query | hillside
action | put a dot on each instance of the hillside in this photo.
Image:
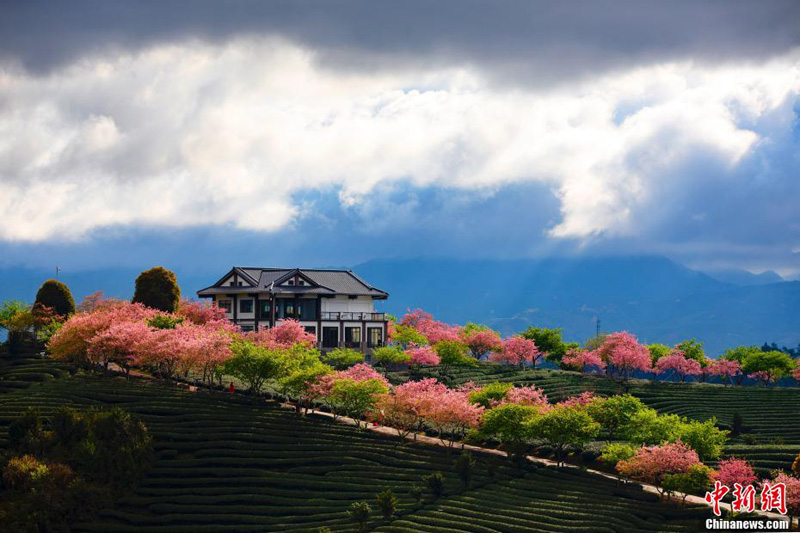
(225, 463)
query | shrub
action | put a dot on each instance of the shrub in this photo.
(417, 493)
(695, 480)
(387, 503)
(359, 513)
(56, 296)
(158, 288)
(703, 437)
(25, 434)
(796, 466)
(615, 452)
(435, 484)
(464, 466)
(490, 395)
(340, 358)
(737, 425)
(750, 439)
(165, 321)
(390, 355)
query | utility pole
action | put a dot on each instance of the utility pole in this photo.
(597, 321)
(57, 271)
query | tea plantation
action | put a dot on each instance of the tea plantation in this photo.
(771, 415)
(227, 464)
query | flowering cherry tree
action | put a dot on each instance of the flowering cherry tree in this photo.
(652, 463)
(118, 344)
(530, 396)
(796, 375)
(679, 366)
(481, 342)
(452, 415)
(725, 370)
(761, 377)
(433, 330)
(623, 354)
(792, 494)
(422, 355)
(205, 314)
(518, 351)
(284, 335)
(582, 360)
(581, 400)
(731, 471)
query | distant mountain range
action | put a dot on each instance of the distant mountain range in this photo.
(657, 299)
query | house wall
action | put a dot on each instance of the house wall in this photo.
(362, 304)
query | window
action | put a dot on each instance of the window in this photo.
(291, 282)
(245, 306)
(264, 309)
(301, 282)
(240, 283)
(311, 329)
(307, 309)
(374, 337)
(225, 305)
(247, 327)
(352, 337)
(330, 337)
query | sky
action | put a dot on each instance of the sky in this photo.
(329, 133)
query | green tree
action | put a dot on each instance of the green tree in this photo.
(406, 335)
(593, 343)
(18, 319)
(453, 353)
(693, 349)
(255, 365)
(165, 321)
(696, 479)
(614, 452)
(775, 364)
(359, 513)
(356, 398)
(740, 353)
(650, 428)
(341, 358)
(464, 466)
(549, 341)
(390, 355)
(56, 296)
(657, 351)
(563, 427)
(158, 288)
(387, 503)
(615, 412)
(435, 484)
(490, 394)
(508, 424)
(703, 437)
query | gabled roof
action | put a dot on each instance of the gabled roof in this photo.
(317, 281)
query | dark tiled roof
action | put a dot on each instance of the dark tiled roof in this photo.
(323, 281)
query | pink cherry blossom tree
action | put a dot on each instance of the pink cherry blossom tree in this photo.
(119, 344)
(652, 463)
(796, 375)
(581, 400)
(582, 360)
(792, 495)
(623, 354)
(518, 351)
(423, 355)
(678, 365)
(482, 342)
(726, 370)
(284, 335)
(732, 470)
(452, 415)
(530, 396)
(433, 330)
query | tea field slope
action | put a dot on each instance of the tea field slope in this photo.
(226, 464)
(770, 415)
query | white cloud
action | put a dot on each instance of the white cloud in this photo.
(193, 134)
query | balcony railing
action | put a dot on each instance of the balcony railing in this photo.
(347, 315)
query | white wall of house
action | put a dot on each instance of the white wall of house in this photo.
(339, 304)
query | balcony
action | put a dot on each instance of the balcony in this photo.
(350, 316)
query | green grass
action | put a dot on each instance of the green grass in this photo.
(224, 463)
(768, 413)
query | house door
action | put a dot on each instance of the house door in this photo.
(330, 337)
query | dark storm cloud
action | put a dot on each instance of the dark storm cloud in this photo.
(538, 42)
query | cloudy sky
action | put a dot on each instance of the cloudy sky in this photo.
(331, 132)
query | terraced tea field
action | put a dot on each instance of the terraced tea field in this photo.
(227, 464)
(772, 415)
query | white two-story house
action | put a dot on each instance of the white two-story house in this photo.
(335, 305)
